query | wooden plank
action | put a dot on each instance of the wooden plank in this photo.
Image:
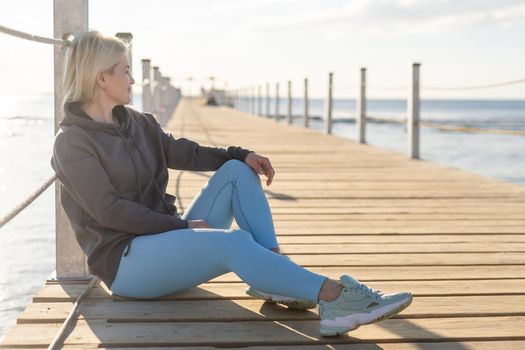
(269, 332)
(286, 240)
(410, 228)
(235, 290)
(253, 309)
(338, 248)
(460, 345)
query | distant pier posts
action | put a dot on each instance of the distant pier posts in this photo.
(259, 100)
(328, 105)
(305, 103)
(127, 38)
(413, 114)
(69, 17)
(252, 100)
(290, 102)
(146, 85)
(361, 108)
(276, 101)
(267, 100)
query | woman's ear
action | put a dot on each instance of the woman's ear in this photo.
(101, 80)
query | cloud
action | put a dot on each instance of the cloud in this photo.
(398, 16)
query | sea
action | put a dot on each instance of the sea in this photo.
(27, 243)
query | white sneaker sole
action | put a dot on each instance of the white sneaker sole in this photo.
(348, 323)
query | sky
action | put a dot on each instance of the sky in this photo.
(245, 43)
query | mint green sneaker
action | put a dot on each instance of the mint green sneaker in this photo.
(293, 303)
(357, 305)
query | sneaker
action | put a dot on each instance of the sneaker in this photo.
(293, 303)
(357, 305)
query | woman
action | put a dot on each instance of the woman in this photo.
(112, 163)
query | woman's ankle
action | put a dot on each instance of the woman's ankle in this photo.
(330, 290)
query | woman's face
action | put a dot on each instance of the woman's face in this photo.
(118, 85)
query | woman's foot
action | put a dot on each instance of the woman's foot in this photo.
(357, 305)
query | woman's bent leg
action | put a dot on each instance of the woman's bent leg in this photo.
(235, 190)
(173, 261)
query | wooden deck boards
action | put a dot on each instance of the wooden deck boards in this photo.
(454, 239)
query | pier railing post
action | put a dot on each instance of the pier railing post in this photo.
(289, 102)
(252, 100)
(276, 101)
(305, 104)
(146, 85)
(156, 92)
(128, 38)
(328, 105)
(267, 100)
(413, 114)
(259, 100)
(361, 108)
(70, 17)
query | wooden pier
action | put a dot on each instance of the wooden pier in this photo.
(456, 240)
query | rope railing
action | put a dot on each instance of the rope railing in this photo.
(474, 87)
(4, 220)
(36, 38)
(58, 341)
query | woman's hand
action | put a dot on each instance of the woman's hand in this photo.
(261, 165)
(198, 224)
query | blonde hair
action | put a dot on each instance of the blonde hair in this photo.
(87, 54)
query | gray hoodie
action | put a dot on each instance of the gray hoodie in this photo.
(113, 180)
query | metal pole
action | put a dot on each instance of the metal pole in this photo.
(70, 17)
(361, 108)
(328, 105)
(413, 114)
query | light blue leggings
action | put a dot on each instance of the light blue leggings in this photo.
(169, 262)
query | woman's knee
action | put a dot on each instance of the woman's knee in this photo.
(243, 235)
(238, 167)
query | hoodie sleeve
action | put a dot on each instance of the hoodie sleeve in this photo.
(185, 154)
(84, 178)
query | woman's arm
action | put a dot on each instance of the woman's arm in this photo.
(87, 182)
(185, 154)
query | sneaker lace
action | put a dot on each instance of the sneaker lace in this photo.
(374, 293)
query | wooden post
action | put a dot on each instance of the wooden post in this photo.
(289, 102)
(128, 38)
(276, 101)
(146, 85)
(413, 114)
(267, 100)
(361, 108)
(306, 102)
(252, 99)
(70, 17)
(328, 105)
(156, 92)
(259, 100)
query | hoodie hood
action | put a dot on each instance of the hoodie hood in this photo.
(75, 115)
